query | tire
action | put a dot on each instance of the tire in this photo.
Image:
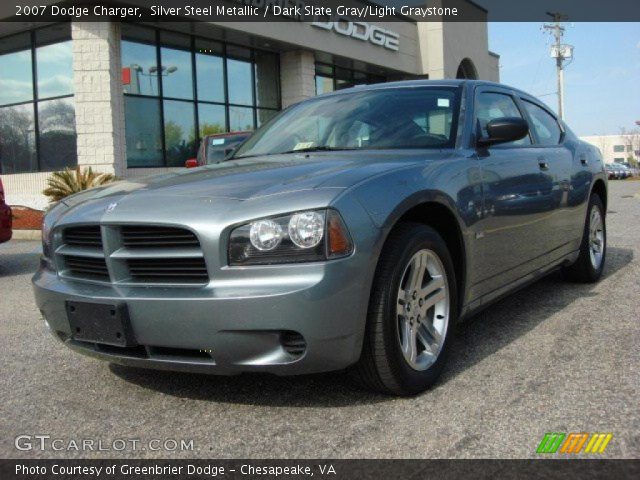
(386, 364)
(586, 269)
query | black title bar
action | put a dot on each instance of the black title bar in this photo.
(319, 10)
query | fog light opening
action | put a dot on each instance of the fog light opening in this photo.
(293, 343)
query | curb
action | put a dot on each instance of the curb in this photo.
(26, 235)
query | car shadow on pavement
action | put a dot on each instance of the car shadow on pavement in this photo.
(18, 263)
(479, 337)
(517, 314)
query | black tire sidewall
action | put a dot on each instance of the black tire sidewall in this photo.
(594, 273)
(416, 238)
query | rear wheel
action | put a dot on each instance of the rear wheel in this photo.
(411, 314)
(593, 249)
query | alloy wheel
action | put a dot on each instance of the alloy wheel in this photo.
(596, 237)
(422, 309)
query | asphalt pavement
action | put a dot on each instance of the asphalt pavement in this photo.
(554, 357)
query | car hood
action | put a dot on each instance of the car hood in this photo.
(263, 176)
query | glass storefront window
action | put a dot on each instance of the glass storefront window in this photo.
(143, 132)
(139, 69)
(211, 119)
(207, 87)
(240, 88)
(210, 77)
(176, 73)
(330, 78)
(179, 132)
(17, 139)
(37, 128)
(16, 81)
(54, 65)
(240, 119)
(323, 85)
(57, 133)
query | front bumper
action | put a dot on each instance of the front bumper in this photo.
(228, 327)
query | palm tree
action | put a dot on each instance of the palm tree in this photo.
(73, 180)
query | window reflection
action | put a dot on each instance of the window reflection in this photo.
(211, 119)
(139, 68)
(179, 132)
(240, 87)
(323, 85)
(210, 70)
(53, 145)
(54, 65)
(142, 132)
(57, 134)
(235, 88)
(17, 139)
(176, 73)
(240, 119)
(16, 81)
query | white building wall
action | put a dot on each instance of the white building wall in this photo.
(607, 144)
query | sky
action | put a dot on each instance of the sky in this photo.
(602, 84)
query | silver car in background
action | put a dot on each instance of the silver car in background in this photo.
(354, 230)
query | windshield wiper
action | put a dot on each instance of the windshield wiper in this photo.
(318, 148)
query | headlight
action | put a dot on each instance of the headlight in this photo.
(308, 236)
(50, 218)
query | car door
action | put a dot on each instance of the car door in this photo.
(559, 154)
(518, 198)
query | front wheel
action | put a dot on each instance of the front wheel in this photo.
(593, 249)
(412, 313)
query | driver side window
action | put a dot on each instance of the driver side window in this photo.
(490, 105)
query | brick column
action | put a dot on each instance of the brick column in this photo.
(99, 102)
(297, 76)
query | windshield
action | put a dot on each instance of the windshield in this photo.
(407, 117)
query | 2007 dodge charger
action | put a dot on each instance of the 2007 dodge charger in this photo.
(351, 231)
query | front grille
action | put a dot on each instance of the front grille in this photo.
(132, 254)
(88, 267)
(84, 236)
(164, 237)
(168, 270)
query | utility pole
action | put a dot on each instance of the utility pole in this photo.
(560, 52)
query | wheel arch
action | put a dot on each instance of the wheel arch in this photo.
(600, 188)
(441, 217)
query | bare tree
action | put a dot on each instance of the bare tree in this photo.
(631, 139)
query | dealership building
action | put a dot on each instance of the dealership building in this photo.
(135, 99)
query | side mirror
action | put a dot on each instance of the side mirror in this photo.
(191, 163)
(503, 130)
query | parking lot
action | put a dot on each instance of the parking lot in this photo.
(554, 357)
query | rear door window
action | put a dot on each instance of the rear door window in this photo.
(545, 125)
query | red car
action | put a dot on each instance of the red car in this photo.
(215, 148)
(5, 218)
